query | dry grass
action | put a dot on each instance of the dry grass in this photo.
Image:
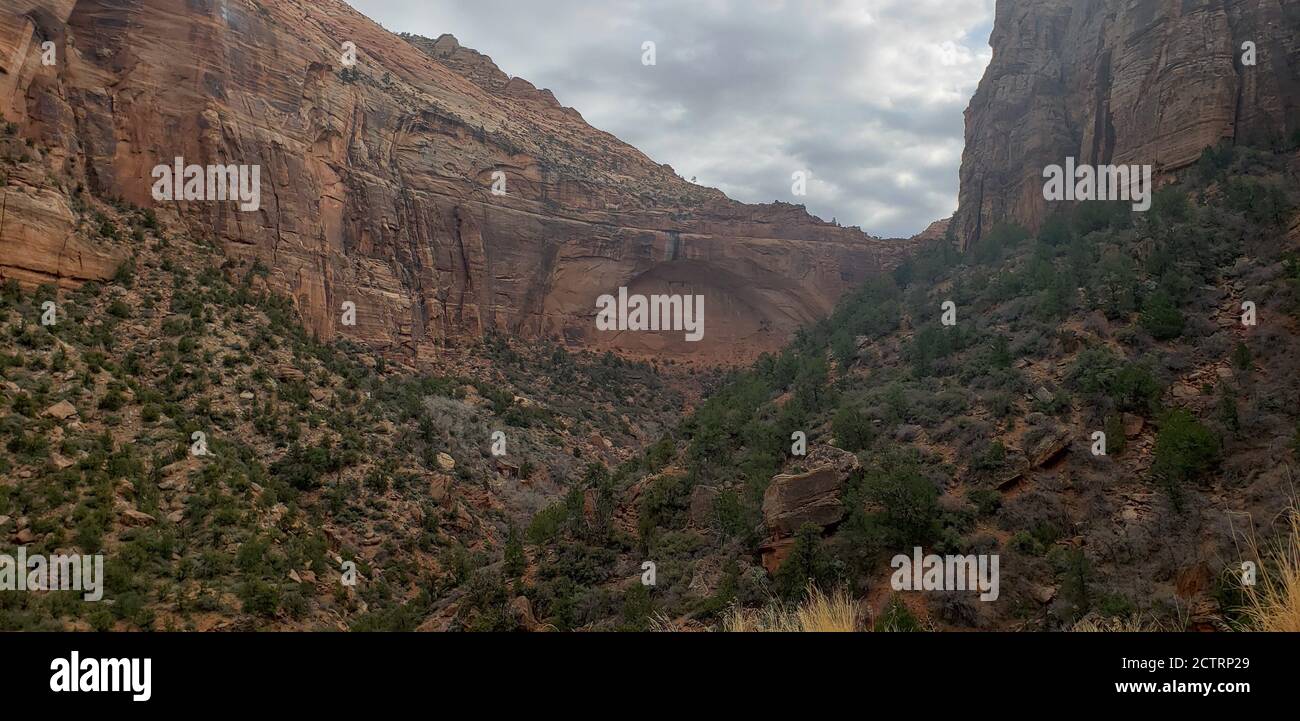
(1133, 624)
(1273, 603)
(819, 613)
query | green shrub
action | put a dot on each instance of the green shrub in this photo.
(897, 618)
(515, 561)
(807, 563)
(1115, 438)
(997, 242)
(1185, 450)
(993, 457)
(547, 523)
(112, 401)
(852, 429)
(1161, 318)
(259, 597)
(1242, 357)
(986, 500)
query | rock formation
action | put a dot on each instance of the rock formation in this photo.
(377, 180)
(1116, 81)
(815, 497)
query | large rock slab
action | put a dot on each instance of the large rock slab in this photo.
(814, 497)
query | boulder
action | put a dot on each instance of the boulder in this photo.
(289, 373)
(813, 497)
(439, 487)
(1048, 450)
(61, 411)
(132, 517)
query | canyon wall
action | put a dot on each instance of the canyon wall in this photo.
(376, 181)
(1120, 81)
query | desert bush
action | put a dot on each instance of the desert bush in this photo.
(1161, 317)
(1185, 450)
(852, 429)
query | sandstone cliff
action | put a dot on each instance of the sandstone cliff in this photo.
(1120, 81)
(376, 180)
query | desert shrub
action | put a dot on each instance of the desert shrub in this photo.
(1161, 317)
(896, 617)
(929, 263)
(302, 468)
(150, 413)
(998, 242)
(663, 505)
(1075, 572)
(259, 597)
(1185, 450)
(1242, 358)
(514, 559)
(986, 501)
(112, 401)
(1214, 160)
(1135, 387)
(1263, 203)
(1170, 204)
(1131, 386)
(908, 501)
(991, 458)
(807, 565)
(852, 429)
(1115, 439)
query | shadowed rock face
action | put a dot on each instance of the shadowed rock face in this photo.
(376, 184)
(1123, 82)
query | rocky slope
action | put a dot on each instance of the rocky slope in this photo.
(319, 453)
(1115, 81)
(376, 181)
(982, 438)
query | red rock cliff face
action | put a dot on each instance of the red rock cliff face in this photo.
(376, 182)
(1120, 81)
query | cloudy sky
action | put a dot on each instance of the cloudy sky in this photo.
(865, 96)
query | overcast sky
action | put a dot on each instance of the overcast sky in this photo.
(866, 96)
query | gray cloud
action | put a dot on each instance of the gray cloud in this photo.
(866, 96)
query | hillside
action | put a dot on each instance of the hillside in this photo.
(179, 390)
(317, 453)
(978, 437)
